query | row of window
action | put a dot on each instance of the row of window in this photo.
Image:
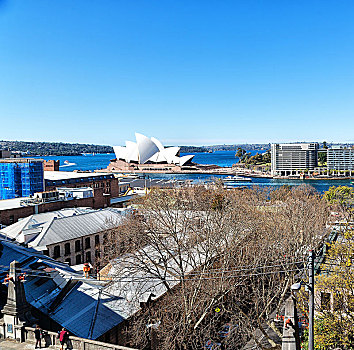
(79, 180)
(78, 259)
(78, 248)
(97, 185)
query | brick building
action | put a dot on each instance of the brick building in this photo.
(12, 210)
(106, 192)
(51, 165)
(107, 182)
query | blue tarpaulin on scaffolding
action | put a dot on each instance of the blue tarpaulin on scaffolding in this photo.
(20, 179)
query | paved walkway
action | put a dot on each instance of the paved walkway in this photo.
(12, 345)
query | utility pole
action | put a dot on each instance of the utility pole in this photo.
(311, 287)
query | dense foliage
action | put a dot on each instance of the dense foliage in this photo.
(53, 148)
(257, 159)
(322, 158)
(334, 322)
(247, 147)
(74, 149)
(193, 149)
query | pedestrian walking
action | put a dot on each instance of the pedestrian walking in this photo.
(38, 335)
(63, 337)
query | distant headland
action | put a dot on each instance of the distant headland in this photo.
(32, 148)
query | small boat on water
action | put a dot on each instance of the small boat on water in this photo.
(66, 162)
(236, 179)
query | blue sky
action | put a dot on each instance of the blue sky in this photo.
(187, 72)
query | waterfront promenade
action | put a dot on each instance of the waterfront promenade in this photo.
(229, 171)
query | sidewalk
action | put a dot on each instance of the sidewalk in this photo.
(12, 345)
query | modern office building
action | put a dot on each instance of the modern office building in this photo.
(340, 158)
(293, 158)
(20, 177)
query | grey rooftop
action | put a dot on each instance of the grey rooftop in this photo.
(40, 230)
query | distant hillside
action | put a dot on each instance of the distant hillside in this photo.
(193, 149)
(53, 148)
(74, 149)
(213, 148)
(246, 147)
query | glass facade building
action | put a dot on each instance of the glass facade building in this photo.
(20, 177)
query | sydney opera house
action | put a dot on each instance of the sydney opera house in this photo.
(148, 154)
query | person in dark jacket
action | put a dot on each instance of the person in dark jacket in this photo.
(38, 336)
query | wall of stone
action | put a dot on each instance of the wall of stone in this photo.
(65, 255)
(26, 334)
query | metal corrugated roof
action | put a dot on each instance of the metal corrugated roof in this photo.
(88, 312)
(68, 228)
(38, 222)
(83, 308)
(40, 230)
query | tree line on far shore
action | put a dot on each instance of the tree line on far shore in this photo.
(31, 148)
(53, 148)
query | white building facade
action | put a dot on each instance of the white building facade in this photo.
(340, 158)
(293, 158)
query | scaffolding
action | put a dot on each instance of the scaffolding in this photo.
(20, 177)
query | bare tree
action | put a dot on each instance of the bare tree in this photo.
(212, 260)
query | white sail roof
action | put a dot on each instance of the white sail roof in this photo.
(146, 148)
(149, 150)
(132, 153)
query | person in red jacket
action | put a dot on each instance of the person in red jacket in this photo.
(63, 337)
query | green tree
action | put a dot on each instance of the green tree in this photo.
(342, 195)
(341, 198)
(240, 153)
(322, 157)
(267, 158)
(334, 325)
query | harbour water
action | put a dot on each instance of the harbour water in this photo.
(221, 158)
(101, 161)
